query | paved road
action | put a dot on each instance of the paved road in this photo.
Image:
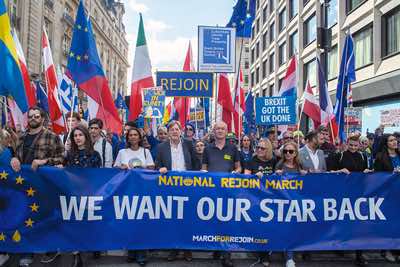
(202, 259)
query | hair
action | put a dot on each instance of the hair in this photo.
(131, 124)
(173, 123)
(354, 137)
(73, 115)
(383, 144)
(96, 121)
(42, 112)
(322, 128)
(268, 147)
(296, 159)
(88, 140)
(128, 144)
(251, 143)
(311, 134)
(4, 135)
(162, 128)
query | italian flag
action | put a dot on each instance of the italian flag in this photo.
(141, 73)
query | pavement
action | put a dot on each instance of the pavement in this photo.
(204, 259)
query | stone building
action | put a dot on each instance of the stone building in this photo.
(28, 17)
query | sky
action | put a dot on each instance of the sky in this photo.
(170, 25)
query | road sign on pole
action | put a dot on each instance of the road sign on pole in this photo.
(216, 51)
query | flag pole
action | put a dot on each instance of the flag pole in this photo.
(216, 97)
(341, 98)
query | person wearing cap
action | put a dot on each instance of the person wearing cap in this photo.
(231, 138)
(299, 138)
(311, 158)
(190, 132)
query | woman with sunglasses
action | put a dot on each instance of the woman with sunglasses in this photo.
(263, 162)
(246, 151)
(289, 163)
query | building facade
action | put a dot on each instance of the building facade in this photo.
(58, 16)
(286, 28)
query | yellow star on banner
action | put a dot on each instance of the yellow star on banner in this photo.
(30, 192)
(71, 54)
(34, 207)
(29, 223)
(3, 175)
(79, 27)
(2, 237)
(78, 58)
(86, 29)
(19, 180)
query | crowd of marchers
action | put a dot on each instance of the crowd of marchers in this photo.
(173, 148)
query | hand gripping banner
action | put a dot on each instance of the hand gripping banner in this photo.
(105, 209)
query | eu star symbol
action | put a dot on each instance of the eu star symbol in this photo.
(34, 207)
(78, 58)
(3, 175)
(30, 192)
(79, 27)
(29, 223)
(242, 22)
(86, 29)
(86, 57)
(19, 180)
(71, 54)
(2, 237)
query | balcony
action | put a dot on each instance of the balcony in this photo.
(68, 19)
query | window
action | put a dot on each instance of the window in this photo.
(391, 32)
(282, 54)
(353, 4)
(332, 13)
(363, 47)
(257, 4)
(252, 79)
(252, 55)
(246, 79)
(264, 41)
(280, 84)
(246, 64)
(257, 75)
(272, 33)
(257, 50)
(264, 14)
(271, 90)
(264, 69)
(265, 92)
(310, 30)
(271, 6)
(310, 73)
(282, 19)
(257, 26)
(332, 64)
(49, 29)
(293, 8)
(253, 32)
(271, 63)
(293, 43)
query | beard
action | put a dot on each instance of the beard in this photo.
(34, 124)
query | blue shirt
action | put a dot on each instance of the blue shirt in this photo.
(395, 161)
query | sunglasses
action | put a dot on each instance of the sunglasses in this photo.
(290, 151)
(288, 137)
(261, 148)
(36, 116)
(189, 129)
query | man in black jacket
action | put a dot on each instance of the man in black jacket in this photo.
(176, 154)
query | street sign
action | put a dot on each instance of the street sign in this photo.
(216, 51)
(276, 110)
(187, 84)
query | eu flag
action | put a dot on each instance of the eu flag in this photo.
(11, 82)
(242, 17)
(84, 67)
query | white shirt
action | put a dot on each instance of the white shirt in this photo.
(140, 158)
(177, 158)
(98, 146)
(314, 157)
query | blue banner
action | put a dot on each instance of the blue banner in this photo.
(276, 110)
(104, 209)
(189, 84)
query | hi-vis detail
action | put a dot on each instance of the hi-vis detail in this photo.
(189, 84)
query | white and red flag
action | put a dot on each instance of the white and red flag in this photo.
(239, 105)
(311, 105)
(56, 115)
(225, 99)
